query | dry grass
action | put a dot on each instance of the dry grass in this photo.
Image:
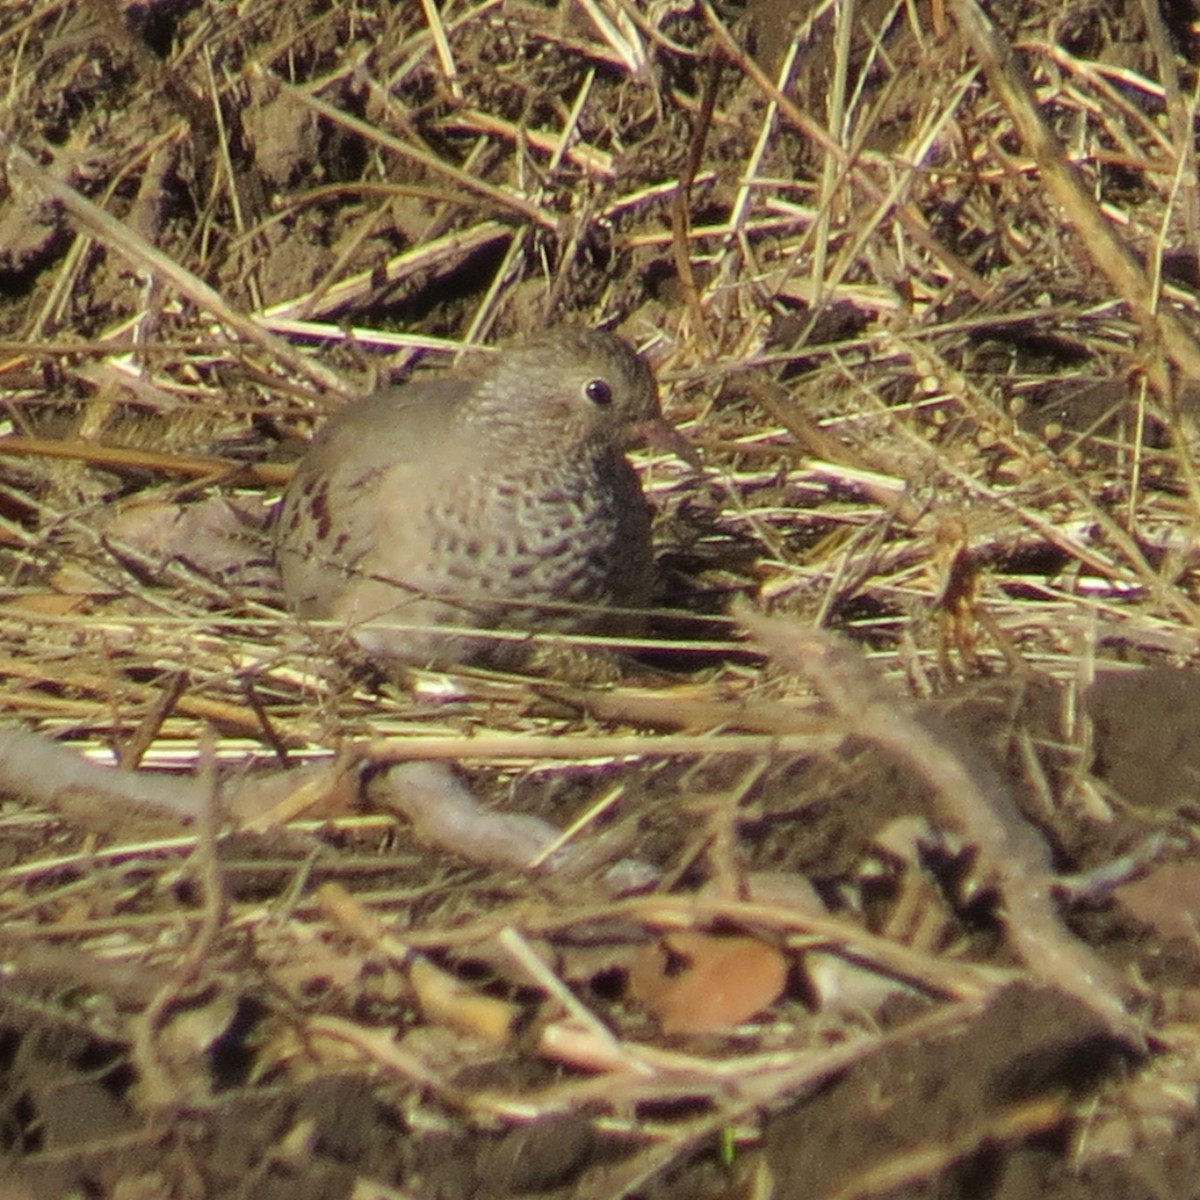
(912, 265)
(910, 283)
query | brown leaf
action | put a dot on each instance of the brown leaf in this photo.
(1168, 898)
(695, 982)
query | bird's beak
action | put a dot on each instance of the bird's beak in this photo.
(661, 434)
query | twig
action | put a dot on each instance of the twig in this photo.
(970, 794)
(43, 772)
(136, 458)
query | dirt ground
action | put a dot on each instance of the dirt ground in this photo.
(891, 893)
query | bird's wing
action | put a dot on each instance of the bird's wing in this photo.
(403, 424)
(346, 506)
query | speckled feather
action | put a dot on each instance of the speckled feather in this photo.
(483, 501)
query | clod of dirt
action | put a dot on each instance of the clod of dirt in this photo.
(942, 1097)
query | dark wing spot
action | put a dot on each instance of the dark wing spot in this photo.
(318, 508)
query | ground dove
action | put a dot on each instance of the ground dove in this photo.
(498, 500)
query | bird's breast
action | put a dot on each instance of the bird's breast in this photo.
(541, 532)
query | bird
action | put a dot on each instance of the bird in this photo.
(500, 499)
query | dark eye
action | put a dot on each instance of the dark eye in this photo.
(598, 392)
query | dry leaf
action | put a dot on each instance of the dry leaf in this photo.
(217, 536)
(1168, 898)
(695, 982)
(445, 1000)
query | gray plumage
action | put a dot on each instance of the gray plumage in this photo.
(501, 499)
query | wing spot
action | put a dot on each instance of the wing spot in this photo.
(318, 508)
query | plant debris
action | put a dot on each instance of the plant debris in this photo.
(687, 915)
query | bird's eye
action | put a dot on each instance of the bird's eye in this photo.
(598, 392)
